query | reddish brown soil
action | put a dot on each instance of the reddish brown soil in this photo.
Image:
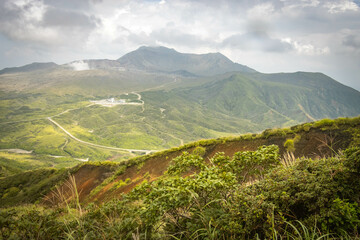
(314, 143)
(155, 167)
(87, 178)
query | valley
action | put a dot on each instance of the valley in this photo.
(160, 99)
(162, 138)
(179, 120)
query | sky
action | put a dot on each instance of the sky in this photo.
(269, 36)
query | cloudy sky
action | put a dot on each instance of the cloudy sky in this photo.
(269, 36)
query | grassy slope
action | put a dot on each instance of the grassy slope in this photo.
(316, 140)
(274, 100)
(237, 104)
(174, 112)
(13, 163)
(338, 134)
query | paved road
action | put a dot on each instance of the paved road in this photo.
(96, 145)
(146, 151)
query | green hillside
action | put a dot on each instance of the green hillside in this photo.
(50, 109)
(270, 99)
(205, 190)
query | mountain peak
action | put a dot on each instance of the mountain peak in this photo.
(156, 48)
(168, 60)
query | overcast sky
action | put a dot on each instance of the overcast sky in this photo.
(269, 36)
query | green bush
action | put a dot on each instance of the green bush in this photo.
(289, 145)
(200, 151)
(352, 159)
(247, 196)
(324, 123)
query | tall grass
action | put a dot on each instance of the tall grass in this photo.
(302, 232)
(288, 159)
(66, 195)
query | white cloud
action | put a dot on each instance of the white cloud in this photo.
(261, 10)
(341, 6)
(32, 10)
(34, 23)
(301, 3)
(79, 65)
(307, 49)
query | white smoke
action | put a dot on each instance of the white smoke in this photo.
(79, 65)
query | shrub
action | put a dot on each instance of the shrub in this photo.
(247, 196)
(324, 123)
(289, 145)
(352, 159)
(307, 126)
(200, 151)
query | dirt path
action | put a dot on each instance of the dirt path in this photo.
(161, 86)
(306, 114)
(181, 141)
(16, 150)
(139, 99)
(169, 134)
(71, 109)
(66, 142)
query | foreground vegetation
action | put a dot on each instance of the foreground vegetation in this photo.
(251, 195)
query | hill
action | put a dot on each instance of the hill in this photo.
(314, 140)
(161, 59)
(30, 68)
(167, 103)
(216, 182)
(270, 99)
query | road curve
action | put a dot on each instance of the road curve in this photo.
(96, 145)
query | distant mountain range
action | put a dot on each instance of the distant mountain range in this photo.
(151, 59)
(187, 97)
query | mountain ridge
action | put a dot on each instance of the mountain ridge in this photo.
(168, 60)
(35, 66)
(151, 59)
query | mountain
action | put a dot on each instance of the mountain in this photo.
(92, 134)
(161, 59)
(268, 99)
(170, 101)
(30, 67)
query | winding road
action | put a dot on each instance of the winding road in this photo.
(146, 151)
(97, 145)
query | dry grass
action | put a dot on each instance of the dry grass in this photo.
(65, 195)
(288, 159)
